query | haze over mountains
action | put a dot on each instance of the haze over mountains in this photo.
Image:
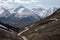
(22, 16)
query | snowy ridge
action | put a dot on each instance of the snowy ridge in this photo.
(4, 12)
(48, 12)
(22, 15)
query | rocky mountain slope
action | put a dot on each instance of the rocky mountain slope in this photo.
(45, 29)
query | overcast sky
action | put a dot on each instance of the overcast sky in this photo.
(30, 3)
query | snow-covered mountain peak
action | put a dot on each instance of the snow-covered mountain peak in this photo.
(48, 12)
(18, 8)
(4, 12)
(53, 9)
(1, 11)
(22, 12)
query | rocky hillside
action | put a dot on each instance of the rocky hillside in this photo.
(45, 29)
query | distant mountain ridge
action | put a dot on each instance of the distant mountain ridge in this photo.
(19, 18)
(22, 16)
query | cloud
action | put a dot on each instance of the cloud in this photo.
(35, 0)
(13, 3)
(6, 4)
(19, 1)
(22, 1)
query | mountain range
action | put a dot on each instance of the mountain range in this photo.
(22, 16)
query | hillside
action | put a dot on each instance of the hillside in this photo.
(45, 29)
